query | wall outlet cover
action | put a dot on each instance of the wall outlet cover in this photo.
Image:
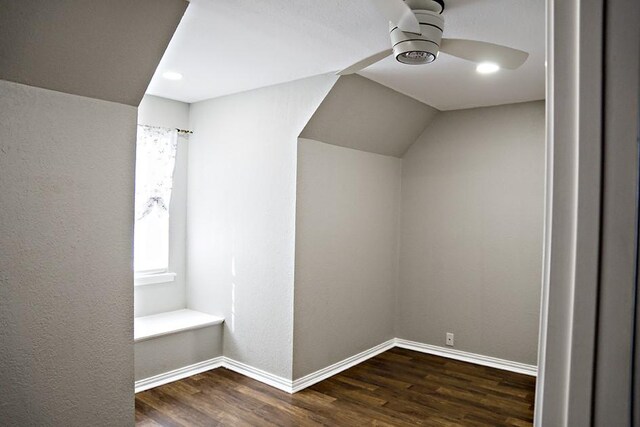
(449, 341)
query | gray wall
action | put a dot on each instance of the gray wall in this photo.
(169, 352)
(66, 197)
(616, 400)
(66, 230)
(161, 297)
(347, 213)
(472, 227)
(241, 216)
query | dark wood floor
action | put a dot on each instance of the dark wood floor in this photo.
(396, 388)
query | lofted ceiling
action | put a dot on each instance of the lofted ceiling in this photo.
(364, 115)
(228, 46)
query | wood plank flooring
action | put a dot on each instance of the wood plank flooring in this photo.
(396, 388)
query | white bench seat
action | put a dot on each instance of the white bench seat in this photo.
(171, 322)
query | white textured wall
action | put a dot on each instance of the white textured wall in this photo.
(157, 298)
(66, 232)
(348, 204)
(472, 227)
(241, 216)
(163, 112)
(163, 354)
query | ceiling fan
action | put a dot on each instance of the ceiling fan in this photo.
(416, 27)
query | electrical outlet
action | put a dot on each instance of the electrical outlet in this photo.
(449, 339)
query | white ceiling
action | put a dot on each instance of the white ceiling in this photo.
(228, 46)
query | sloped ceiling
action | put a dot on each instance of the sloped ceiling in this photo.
(229, 46)
(107, 50)
(364, 115)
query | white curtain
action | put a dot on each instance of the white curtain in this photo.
(155, 163)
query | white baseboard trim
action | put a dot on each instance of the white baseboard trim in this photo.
(258, 374)
(324, 373)
(207, 365)
(329, 371)
(178, 374)
(478, 359)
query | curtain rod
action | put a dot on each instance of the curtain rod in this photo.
(187, 131)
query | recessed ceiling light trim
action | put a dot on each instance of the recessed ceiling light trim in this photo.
(172, 75)
(487, 68)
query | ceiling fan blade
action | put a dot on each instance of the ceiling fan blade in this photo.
(360, 65)
(476, 51)
(397, 12)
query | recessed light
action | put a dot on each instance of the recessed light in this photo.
(172, 75)
(487, 68)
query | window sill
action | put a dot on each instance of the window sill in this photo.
(153, 279)
(172, 322)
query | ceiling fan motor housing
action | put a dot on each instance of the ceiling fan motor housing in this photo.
(410, 48)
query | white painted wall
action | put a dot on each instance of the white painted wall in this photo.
(241, 216)
(347, 224)
(472, 227)
(571, 276)
(163, 112)
(160, 355)
(66, 230)
(158, 298)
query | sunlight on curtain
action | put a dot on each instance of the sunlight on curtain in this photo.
(155, 162)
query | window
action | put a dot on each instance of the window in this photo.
(155, 164)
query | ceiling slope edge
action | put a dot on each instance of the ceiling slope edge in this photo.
(102, 50)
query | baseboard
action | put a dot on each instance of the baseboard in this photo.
(464, 356)
(258, 374)
(324, 373)
(207, 365)
(178, 374)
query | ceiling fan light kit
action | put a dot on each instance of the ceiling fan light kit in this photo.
(417, 49)
(487, 68)
(416, 27)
